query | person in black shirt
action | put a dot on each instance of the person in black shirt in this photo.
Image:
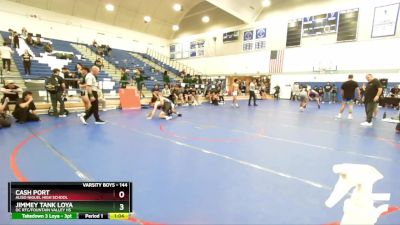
(16, 40)
(25, 109)
(334, 93)
(277, 91)
(372, 92)
(327, 93)
(347, 92)
(56, 86)
(26, 58)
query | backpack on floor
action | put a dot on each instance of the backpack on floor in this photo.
(5, 120)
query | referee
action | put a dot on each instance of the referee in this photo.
(92, 89)
(252, 92)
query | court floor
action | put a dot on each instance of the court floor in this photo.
(216, 165)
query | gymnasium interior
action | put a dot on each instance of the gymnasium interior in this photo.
(212, 111)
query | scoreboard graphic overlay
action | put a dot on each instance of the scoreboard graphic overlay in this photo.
(70, 200)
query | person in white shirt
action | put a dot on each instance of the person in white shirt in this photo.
(166, 92)
(92, 89)
(252, 89)
(235, 92)
(5, 54)
(295, 91)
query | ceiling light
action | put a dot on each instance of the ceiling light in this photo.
(110, 7)
(175, 27)
(147, 19)
(177, 7)
(266, 3)
(205, 19)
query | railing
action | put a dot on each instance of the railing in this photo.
(173, 63)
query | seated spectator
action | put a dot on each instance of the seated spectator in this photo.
(5, 120)
(107, 50)
(29, 40)
(99, 63)
(25, 110)
(48, 47)
(95, 43)
(394, 92)
(183, 73)
(38, 41)
(156, 90)
(10, 92)
(177, 95)
(166, 92)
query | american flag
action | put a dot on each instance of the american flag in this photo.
(276, 61)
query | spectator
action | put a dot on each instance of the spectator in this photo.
(156, 90)
(67, 76)
(334, 93)
(183, 73)
(29, 40)
(5, 54)
(362, 93)
(78, 70)
(277, 91)
(56, 86)
(25, 110)
(26, 58)
(295, 91)
(177, 95)
(166, 77)
(48, 47)
(221, 92)
(107, 50)
(16, 40)
(320, 91)
(5, 120)
(166, 92)
(124, 78)
(24, 32)
(73, 82)
(10, 91)
(38, 41)
(327, 93)
(94, 43)
(99, 63)
(242, 87)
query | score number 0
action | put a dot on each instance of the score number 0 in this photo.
(121, 195)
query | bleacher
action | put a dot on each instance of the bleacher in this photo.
(37, 69)
(163, 65)
(40, 70)
(123, 59)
